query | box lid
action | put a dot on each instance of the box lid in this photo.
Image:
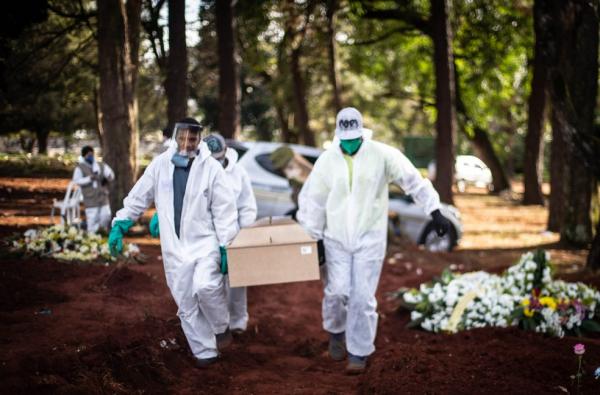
(279, 232)
(269, 221)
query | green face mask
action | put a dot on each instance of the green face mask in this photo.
(350, 147)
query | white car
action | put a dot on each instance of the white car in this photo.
(273, 193)
(468, 170)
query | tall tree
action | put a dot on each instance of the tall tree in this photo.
(176, 86)
(571, 32)
(229, 81)
(45, 78)
(534, 140)
(480, 140)
(558, 175)
(296, 30)
(412, 18)
(445, 99)
(331, 9)
(118, 43)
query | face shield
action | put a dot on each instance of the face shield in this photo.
(186, 137)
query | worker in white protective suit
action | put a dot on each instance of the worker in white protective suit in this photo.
(344, 203)
(198, 218)
(246, 206)
(94, 177)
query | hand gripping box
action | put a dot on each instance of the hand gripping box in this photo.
(272, 251)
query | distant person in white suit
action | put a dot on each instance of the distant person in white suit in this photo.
(93, 178)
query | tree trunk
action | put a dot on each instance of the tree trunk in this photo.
(481, 142)
(98, 117)
(283, 123)
(333, 79)
(41, 135)
(484, 149)
(229, 84)
(576, 229)
(558, 175)
(176, 86)
(534, 141)
(571, 49)
(445, 99)
(133, 9)
(300, 107)
(593, 259)
(117, 91)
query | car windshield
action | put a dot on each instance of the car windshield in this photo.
(264, 160)
(241, 150)
(312, 159)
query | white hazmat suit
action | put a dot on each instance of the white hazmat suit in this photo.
(345, 203)
(246, 206)
(191, 261)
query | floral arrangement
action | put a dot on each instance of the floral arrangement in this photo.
(69, 244)
(524, 295)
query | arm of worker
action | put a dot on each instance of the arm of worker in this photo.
(109, 174)
(246, 203)
(401, 171)
(312, 202)
(80, 179)
(223, 208)
(140, 197)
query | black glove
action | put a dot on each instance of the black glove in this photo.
(440, 223)
(321, 252)
(104, 181)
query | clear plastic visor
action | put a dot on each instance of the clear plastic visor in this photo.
(187, 137)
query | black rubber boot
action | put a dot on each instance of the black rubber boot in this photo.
(337, 346)
(205, 362)
(356, 364)
(224, 339)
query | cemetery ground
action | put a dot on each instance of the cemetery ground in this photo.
(75, 328)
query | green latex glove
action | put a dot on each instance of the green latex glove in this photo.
(154, 229)
(223, 250)
(115, 237)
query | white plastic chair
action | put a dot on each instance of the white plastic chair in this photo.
(70, 211)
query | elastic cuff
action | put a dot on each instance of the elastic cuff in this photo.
(207, 354)
(361, 358)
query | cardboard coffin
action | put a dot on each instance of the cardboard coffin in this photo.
(272, 251)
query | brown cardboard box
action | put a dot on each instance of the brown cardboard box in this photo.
(272, 251)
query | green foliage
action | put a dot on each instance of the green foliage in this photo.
(27, 165)
(47, 79)
(493, 43)
(384, 65)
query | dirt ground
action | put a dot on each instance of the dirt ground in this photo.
(69, 328)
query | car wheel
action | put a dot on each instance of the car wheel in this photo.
(461, 185)
(434, 243)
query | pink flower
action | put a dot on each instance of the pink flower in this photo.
(579, 349)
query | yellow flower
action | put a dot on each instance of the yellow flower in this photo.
(549, 302)
(563, 301)
(528, 312)
(525, 302)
